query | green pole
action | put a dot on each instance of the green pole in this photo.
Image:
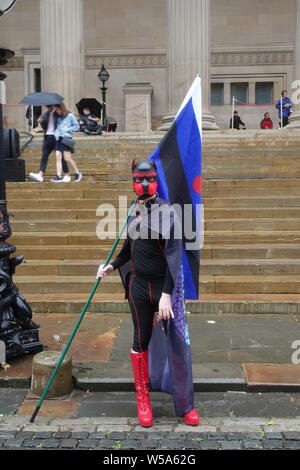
(80, 318)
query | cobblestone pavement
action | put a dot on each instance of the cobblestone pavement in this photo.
(165, 434)
(250, 422)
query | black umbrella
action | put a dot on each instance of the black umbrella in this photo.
(42, 98)
(91, 103)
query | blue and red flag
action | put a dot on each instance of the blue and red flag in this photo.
(178, 161)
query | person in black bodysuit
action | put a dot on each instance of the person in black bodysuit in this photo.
(149, 285)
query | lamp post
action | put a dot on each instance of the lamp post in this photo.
(103, 75)
(17, 330)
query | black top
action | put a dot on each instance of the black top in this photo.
(236, 122)
(148, 260)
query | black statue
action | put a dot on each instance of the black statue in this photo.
(17, 330)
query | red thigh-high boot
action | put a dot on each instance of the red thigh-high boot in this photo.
(191, 418)
(141, 377)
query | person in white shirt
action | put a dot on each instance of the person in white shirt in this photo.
(49, 123)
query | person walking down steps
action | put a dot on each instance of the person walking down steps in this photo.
(48, 122)
(64, 146)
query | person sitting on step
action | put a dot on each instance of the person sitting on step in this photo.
(89, 123)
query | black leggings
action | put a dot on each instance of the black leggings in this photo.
(143, 300)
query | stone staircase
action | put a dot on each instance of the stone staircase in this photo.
(250, 261)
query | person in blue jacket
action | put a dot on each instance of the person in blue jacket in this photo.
(66, 125)
(286, 108)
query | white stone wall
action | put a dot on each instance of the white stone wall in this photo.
(249, 40)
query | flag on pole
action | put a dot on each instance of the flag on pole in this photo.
(178, 161)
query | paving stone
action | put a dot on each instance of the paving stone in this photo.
(176, 435)
(264, 404)
(291, 445)
(291, 435)
(108, 427)
(115, 435)
(68, 443)
(231, 445)
(12, 443)
(199, 428)
(7, 434)
(235, 436)
(170, 444)
(41, 428)
(190, 444)
(128, 444)
(272, 444)
(147, 444)
(97, 435)
(87, 444)
(80, 434)
(197, 435)
(113, 420)
(24, 435)
(106, 444)
(252, 444)
(137, 435)
(254, 436)
(156, 435)
(51, 443)
(209, 445)
(62, 435)
(30, 443)
(10, 400)
(273, 435)
(218, 436)
(43, 435)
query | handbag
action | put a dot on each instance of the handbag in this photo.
(68, 142)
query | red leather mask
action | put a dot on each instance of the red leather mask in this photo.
(145, 184)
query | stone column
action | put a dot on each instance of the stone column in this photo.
(294, 118)
(188, 54)
(62, 52)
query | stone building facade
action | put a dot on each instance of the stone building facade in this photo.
(154, 49)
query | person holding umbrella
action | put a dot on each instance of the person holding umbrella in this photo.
(64, 146)
(48, 122)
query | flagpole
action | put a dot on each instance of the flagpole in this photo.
(34, 414)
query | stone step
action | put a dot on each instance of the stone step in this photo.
(210, 238)
(28, 215)
(258, 224)
(126, 185)
(250, 192)
(208, 267)
(229, 225)
(216, 252)
(29, 185)
(58, 191)
(251, 202)
(207, 303)
(256, 284)
(209, 203)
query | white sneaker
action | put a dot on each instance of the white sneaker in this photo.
(36, 177)
(66, 179)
